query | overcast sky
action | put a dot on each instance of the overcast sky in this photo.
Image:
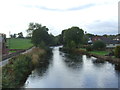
(93, 16)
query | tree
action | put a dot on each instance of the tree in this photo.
(117, 51)
(73, 34)
(30, 29)
(72, 45)
(14, 36)
(99, 45)
(40, 34)
(20, 35)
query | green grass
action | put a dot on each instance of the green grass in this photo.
(12, 51)
(17, 43)
(99, 52)
(83, 49)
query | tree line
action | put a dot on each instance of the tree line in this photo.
(72, 37)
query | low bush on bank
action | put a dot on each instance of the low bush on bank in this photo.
(89, 48)
(36, 54)
(117, 51)
(99, 45)
(15, 72)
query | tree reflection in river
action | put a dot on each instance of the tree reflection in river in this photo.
(73, 61)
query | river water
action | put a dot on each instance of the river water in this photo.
(65, 70)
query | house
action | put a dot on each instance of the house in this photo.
(109, 41)
(3, 47)
(96, 38)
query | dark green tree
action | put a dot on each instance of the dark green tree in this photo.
(117, 51)
(99, 45)
(20, 35)
(40, 34)
(30, 29)
(74, 34)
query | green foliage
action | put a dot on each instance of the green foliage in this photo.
(40, 34)
(20, 35)
(42, 44)
(90, 35)
(14, 72)
(117, 51)
(99, 45)
(89, 48)
(72, 45)
(72, 34)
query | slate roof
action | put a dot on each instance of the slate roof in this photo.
(109, 40)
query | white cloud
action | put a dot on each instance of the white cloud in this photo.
(56, 14)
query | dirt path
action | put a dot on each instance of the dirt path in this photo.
(2, 63)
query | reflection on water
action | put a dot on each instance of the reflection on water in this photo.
(66, 70)
(73, 61)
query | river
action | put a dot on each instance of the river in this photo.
(65, 70)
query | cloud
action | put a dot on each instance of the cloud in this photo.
(81, 7)
(95, 16)
(103, 27)
(57, 9)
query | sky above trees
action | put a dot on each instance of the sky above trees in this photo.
(93, 16)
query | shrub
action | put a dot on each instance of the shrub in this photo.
(89, 48)
(99, 45)
(117, 51)
(14, 72)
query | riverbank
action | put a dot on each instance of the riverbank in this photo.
(102, 57)
(15, 73)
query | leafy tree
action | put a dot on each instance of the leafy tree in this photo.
(14, 36)
(117, 51)
(30, 29)
(99, 45)
(73, 34)
(40, 34)
(72, 45)
(89, 35)
(20, 35)
(11, 36)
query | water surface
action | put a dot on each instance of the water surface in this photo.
(65, 70)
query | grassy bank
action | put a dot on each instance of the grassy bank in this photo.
(17, 43)
(14, 74)
(98, 54)
(102, 53)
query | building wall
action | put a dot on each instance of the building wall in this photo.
(0, 48)
(4, 50)
(112, 45)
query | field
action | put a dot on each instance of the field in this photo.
(17, 43)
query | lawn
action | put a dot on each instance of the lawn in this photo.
(99, 52)
(17, 43)
(83, 49)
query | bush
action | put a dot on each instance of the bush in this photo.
(15, 71)
(89, 48)
(99, 45)
(117, 51)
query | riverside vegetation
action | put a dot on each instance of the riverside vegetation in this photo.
(15, 72)
(19, 67)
